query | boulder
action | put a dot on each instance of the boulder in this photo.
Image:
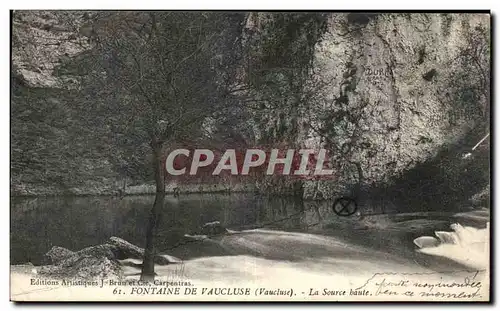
(123, 250)
(213, 228)
(105, 250)
(94, 262)
(89, 263)
(56, 254)
(83, 267)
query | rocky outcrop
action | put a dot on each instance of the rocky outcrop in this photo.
(99, 261)
(384, 92)
(390, 89)
(43, 41)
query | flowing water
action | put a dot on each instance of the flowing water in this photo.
(269, 236)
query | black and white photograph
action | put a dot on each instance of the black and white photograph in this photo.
(224, 155)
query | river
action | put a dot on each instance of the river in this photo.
(39, 223)
(273, 240)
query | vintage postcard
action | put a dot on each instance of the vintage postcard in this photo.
(250, 156)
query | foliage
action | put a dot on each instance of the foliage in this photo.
(163, 69)
(469, 85)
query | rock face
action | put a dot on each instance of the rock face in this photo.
(397, 73)
(44, 40)
(384, 92)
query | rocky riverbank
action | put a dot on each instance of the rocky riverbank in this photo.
(95, 262)
(112, 189)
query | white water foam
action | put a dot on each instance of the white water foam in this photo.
(466, 245)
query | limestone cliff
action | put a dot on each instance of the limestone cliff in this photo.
(384, 92)
(44, 40)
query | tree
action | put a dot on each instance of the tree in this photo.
(155, 77)
(468, 87)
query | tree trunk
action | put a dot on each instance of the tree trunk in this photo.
(158, 166)
(148, 262)
(148, 265)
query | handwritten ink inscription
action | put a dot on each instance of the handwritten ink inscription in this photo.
(466, 286)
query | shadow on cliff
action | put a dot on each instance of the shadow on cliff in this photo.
(456, 179)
